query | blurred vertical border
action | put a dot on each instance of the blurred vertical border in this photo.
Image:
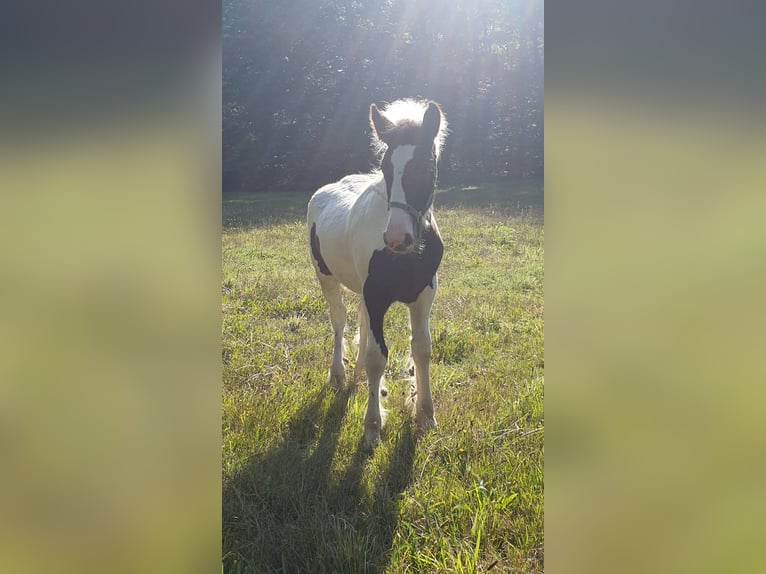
(655, 283)
(110, 291)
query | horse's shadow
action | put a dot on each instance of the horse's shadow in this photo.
(286, 511)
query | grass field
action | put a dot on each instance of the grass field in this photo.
(301, 493)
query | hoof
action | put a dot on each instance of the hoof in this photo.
(371, 436)
(337, 379)
(372, 429)
(425, 422)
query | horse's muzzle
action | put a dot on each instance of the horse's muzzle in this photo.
(404, 244)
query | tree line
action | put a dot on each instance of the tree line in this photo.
(299, 76)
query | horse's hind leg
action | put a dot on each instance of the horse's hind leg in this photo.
(422, 403)
(331, 290)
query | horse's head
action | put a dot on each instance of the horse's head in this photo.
(413, 133)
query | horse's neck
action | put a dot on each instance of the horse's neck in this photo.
(375, 197)
(370, 205)
(378, 187)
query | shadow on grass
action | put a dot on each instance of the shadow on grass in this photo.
(285, 512)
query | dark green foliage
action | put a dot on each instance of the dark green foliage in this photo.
(299, 76)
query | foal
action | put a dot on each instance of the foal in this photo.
(375, 234)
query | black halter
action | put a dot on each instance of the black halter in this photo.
(418, 216)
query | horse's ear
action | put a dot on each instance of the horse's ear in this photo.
(432, 120)
(379, 123)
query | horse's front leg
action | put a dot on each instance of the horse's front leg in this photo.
(332, 292)
(361, 355)
(376, 355)
(420, 343)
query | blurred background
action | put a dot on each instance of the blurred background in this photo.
(655, 270)
(110, 289)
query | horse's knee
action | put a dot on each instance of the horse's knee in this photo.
(338, 319)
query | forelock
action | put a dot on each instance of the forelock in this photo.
(406, 115)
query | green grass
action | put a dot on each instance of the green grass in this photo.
(301, 493)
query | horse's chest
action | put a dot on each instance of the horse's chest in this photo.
(393, 277)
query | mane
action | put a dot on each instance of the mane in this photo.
(407, 114)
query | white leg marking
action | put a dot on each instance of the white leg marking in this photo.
(359, 370)
(375, 365)
(423, 406)
(332, 293)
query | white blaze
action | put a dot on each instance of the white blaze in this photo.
(399, 222)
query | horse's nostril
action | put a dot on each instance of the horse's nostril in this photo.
(399, 247)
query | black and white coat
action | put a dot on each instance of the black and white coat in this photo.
(376, 235)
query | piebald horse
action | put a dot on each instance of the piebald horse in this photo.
(376, 235)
